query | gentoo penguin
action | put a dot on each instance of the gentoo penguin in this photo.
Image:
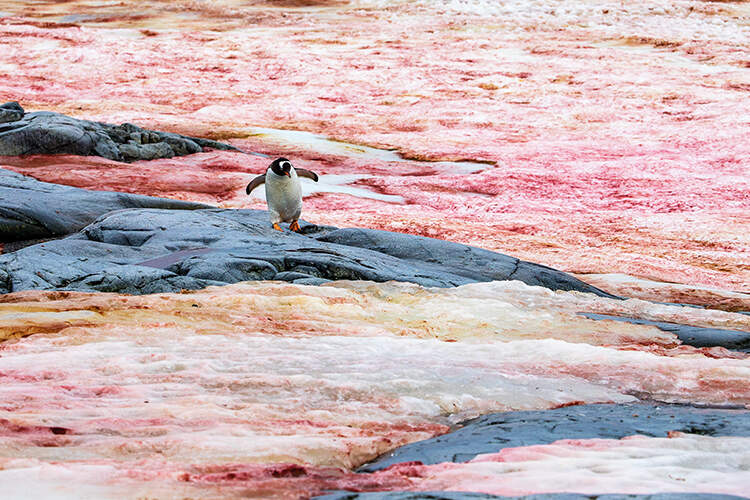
(283, 192)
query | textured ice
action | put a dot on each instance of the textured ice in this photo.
(154, 387)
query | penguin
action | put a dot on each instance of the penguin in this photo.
(283, 192)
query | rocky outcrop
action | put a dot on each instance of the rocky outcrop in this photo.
(142, 244)
(490, 433)
(470, 263)
(10, 112)
(45, 132)
(31, 210)
(156, 250)
(692, 335)
(461, 495)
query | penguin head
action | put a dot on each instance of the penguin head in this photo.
(281, 166)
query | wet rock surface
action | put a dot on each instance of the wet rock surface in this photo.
(471, 264)
(692, 335)
(10, 112)
(154, 250)
(45, 132)
(31, 210)
(491, 433)
(460, 495)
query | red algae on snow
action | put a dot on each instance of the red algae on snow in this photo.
(594, 163)
(285, 388)
(635, 465)
(203, 177)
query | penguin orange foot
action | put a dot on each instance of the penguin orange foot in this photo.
(294, 226)
(277, 227)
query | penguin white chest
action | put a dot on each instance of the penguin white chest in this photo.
(283, 196)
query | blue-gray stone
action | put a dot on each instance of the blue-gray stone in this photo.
(45, 132)
(148, 250)
(491, 433)
(11, 112)
(30, 209)
(460, 495)
(692, 335)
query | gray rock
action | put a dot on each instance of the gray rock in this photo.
(147, 250)
(461, 495)
(491, 433)
(44, 132)
(468, 264)
(311, 281)
(133, 152)
(292, 276)
(226, 268)
(30, 209)
(10, 112)
(692, 335)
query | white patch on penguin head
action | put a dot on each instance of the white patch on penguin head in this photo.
(281, 166)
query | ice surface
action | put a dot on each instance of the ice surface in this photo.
(329, 376)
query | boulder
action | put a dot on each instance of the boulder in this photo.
(45, 132)
(10, 112)
(30, 209)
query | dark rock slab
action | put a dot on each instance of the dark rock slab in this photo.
(45, 132)
(30, 209)
(473, 264)
(491, 433)
(460, 495)
(692, 335)
(149, 250)
(10, 112)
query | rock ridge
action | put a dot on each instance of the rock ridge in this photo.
(46, 132)
(116, 242)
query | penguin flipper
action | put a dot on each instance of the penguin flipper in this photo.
(302, 172)
(255, 183)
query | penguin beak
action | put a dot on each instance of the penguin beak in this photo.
(288, 174)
